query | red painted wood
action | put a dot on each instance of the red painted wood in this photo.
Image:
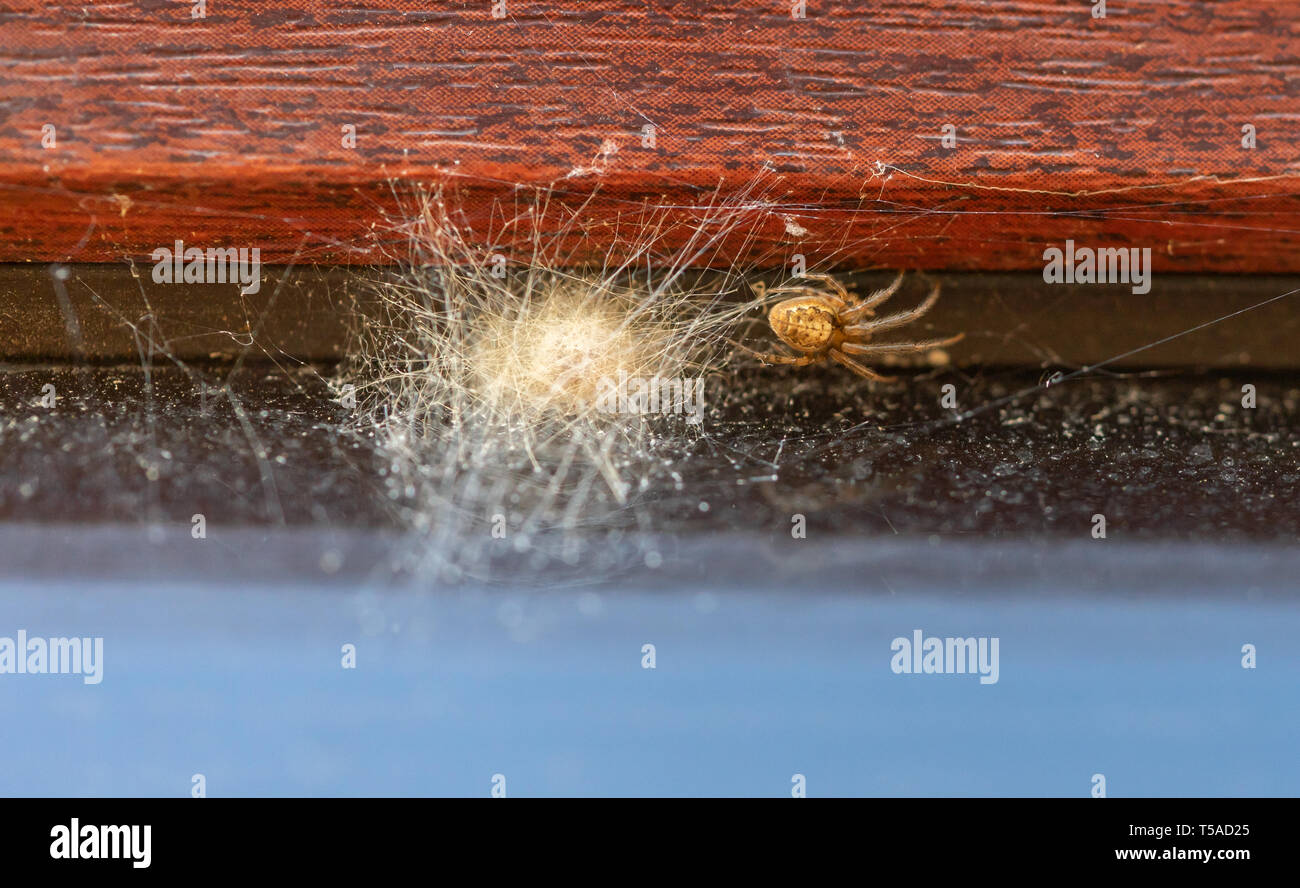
(227, 128)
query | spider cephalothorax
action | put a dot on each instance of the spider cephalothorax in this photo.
(822, 325)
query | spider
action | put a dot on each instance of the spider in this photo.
(821, 325)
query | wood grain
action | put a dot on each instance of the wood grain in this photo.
(227, 129)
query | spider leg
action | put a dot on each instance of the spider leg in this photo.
(831, 282)
(883, 348)
(836, 302)
(859, 369)
(854, 314)
(801, 361)
(895, 320)
(773, 358)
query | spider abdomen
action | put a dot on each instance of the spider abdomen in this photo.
(835, 326)
(804, 323)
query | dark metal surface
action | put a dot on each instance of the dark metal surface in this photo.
(1163, 457)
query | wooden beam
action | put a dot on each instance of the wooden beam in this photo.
(130, 125)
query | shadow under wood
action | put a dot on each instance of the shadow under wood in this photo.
(103, 313)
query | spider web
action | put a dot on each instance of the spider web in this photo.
(769, 430)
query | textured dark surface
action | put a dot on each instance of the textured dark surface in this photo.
(229, 128)
(1162, 456)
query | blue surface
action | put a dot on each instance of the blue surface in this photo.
(244, 685)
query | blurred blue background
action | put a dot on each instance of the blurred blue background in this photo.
(242, 682)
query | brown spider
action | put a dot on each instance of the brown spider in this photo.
(822, 325)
